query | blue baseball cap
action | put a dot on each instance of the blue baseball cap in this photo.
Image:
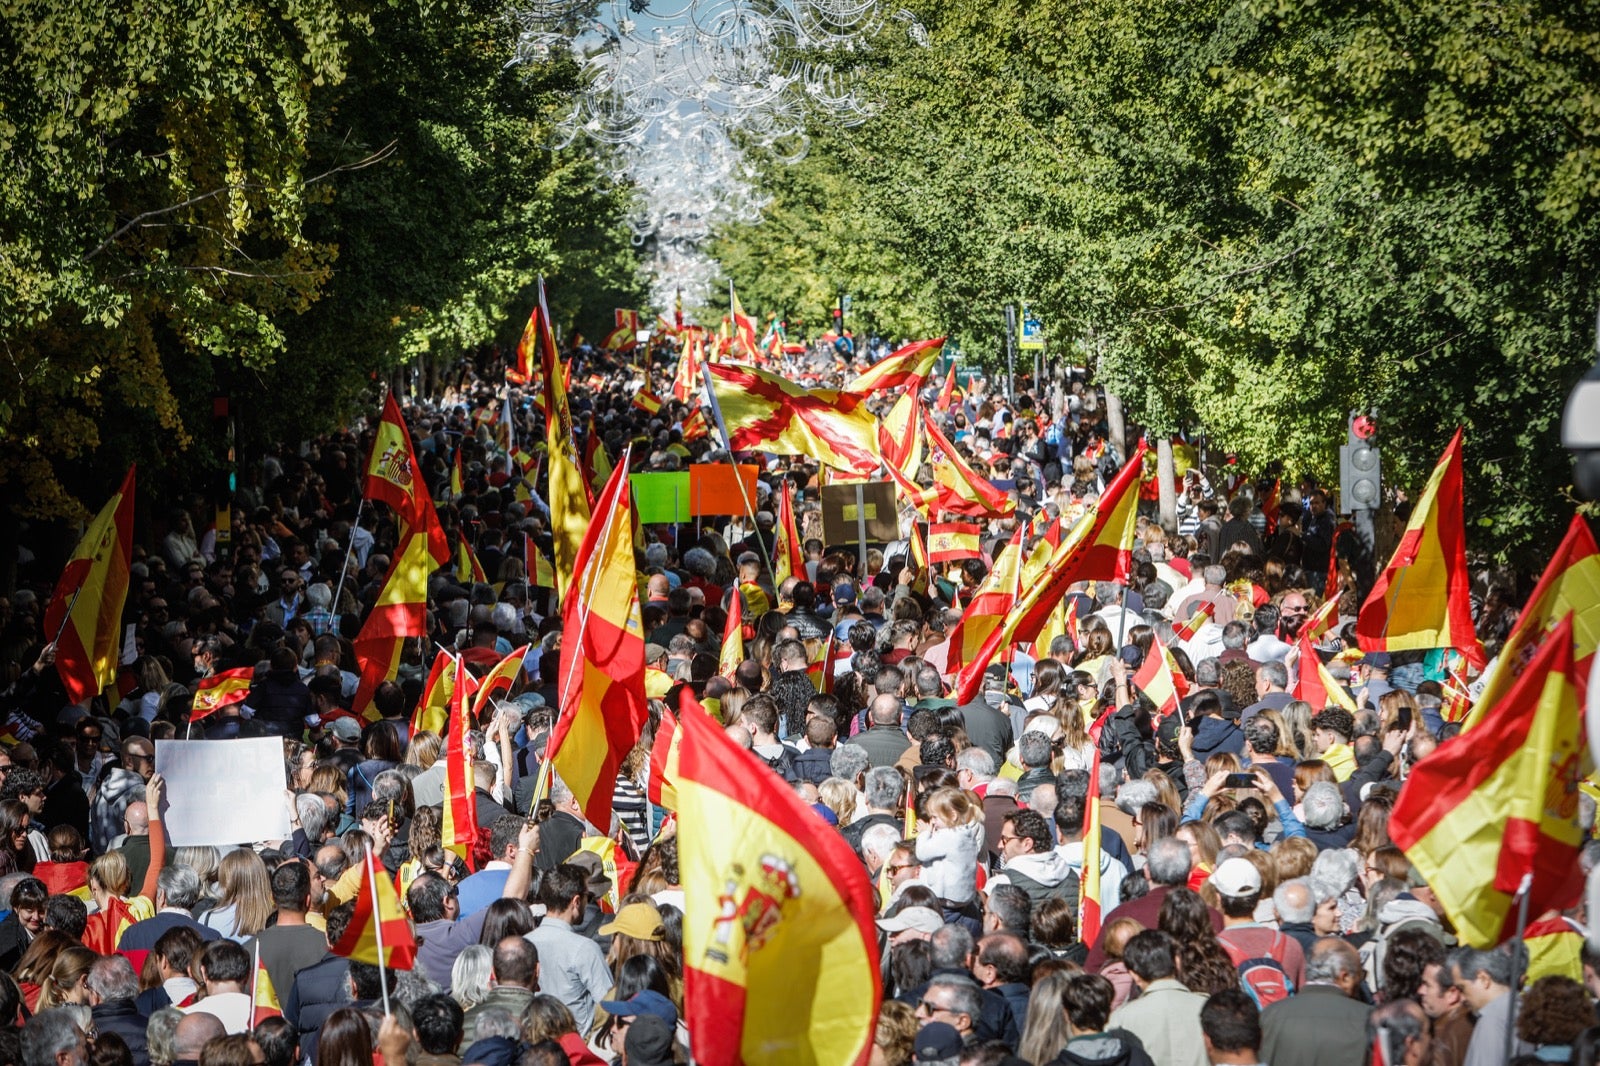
(648, 1001)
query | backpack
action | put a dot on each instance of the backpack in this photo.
(1038, 891)
(1265, 979)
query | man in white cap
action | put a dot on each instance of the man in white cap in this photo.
(1272, 965)
(913, 923)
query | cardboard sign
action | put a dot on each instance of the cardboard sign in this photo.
(841, 512)
(223, 792)
(661, 497)
(713, 489)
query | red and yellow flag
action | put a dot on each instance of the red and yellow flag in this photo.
(990, 603)
(1089, 907)
(1423, 597)
(433, 709)
(789, 558)
(647, 402)
(954, 541)
(695, 426)
(765, 412)
(263, 997)
(400, 613)
(458, 478)
(900, 434)
(378, 933)
(1188, 629)
(1570, 584)
(1313, 683)
(393, 477)
(780, 953)
(744, 327)
(458, 827)
(1098, 548)
(568, 499)
(601, 684)
(221, 690)
(919, 558)
(664, 757)
(1160, 679)
(948, 392)
(1498, 805)
(732, 637)
(909, 365)
(498, 682)
(960, 489)
(94, 586)
(818, 660)
(468, 569)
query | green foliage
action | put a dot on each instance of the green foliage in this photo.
(1251, 216)
(275, 201)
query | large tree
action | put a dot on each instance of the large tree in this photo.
(1253, 216)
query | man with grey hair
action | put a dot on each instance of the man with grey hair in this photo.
(1272, 690)
(1167, 865)
(1130, 796)
(113, 987)
(1485, 978)
(885, 793)
(1221, 601)
(884, 740)
(974, 769)
(1295, 902)
(52, 1038)
(877, 844)
(1323, 1023)
(1034, 752)
(952, 950)
(177, 891)
(1323, 808)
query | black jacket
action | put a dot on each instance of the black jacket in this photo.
(281, 702)
(994, 1021)
(122, 1017)
(1114, 1047)
(13, 942)
(814, 765)
(559, 837)
(318, 991)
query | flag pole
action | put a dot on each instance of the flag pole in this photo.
(349, 550)
(377, 930)
(255, 978)
(66, 617)
(727, 443)
(1518, 949)
(591, 579)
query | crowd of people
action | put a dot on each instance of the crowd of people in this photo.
(1251, 905)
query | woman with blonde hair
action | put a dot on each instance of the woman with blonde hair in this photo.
(1286, 748)
(69, 978)
(896, 1035)
(109, 880)
(469, 976)
(1296, 715)
(1045, 1032)
(424, 749)
(245, 902)
(37, 963)
(839, 796)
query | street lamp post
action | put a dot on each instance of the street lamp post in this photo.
(1580, 429)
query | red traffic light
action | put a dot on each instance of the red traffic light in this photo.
(1363, 427)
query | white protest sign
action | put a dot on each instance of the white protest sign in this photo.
(223, 792)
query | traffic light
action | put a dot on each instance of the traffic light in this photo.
(1360, 465)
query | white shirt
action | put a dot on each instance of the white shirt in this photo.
(232, 1009)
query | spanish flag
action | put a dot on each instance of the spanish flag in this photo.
(94, 587)
(789, 558)
(1423, 597)
(996, 596)
(909, 365)
(596, 463)
(498, 682)
(661, 789)
(959, 487)
(458, 826)
(900, 434)
(732, 636)
(458, 479)
(953, 541)
(1187, 630)
(568, 499)
(468, 569)
(1313, 683)
(393, 477)
(744, 327)
(765, 412)
(221, 690)
(601, 684)
(1089, 908)
(1160, 680)
(780, 953)
(687, 372)
(263, 997)
(1570, 584)
(647, 402)
(817, 662)
(918, 550)
(379, 933)
(1099, 548)
(1498, 806)
(400, 613)
(695, 426)
(433, 709)
(948, 392)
